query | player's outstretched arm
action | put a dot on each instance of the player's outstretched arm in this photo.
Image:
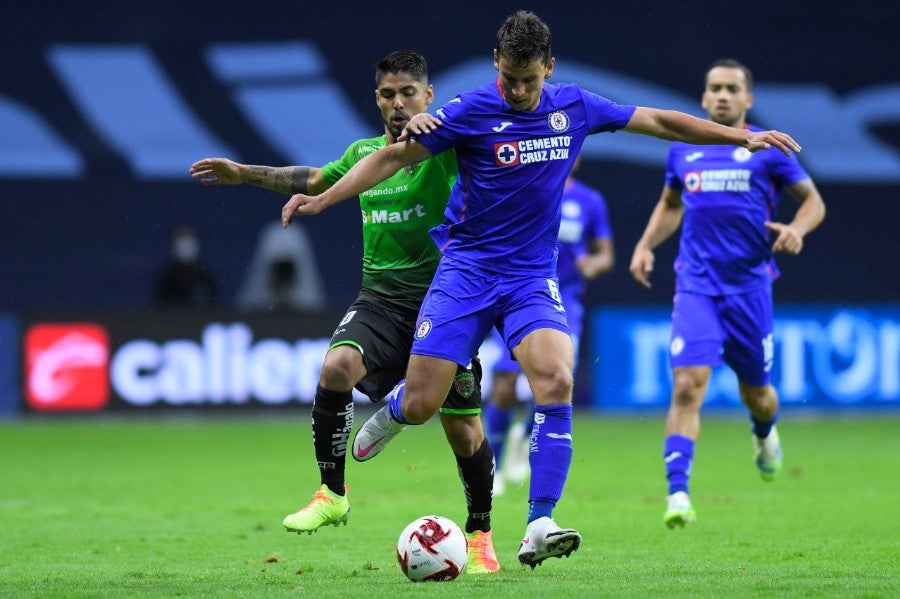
(365, 174)
(679, 126)
(284, 179)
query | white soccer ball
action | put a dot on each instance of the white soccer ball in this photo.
(432, 548)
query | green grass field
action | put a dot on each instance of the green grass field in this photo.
(193, 507)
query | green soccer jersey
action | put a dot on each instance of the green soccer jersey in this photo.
(399, 255)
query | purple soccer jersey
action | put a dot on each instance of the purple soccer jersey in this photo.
(504, 211)
(503, 215)
(583, 219)
(728, 195)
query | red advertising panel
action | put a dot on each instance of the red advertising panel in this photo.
(66, 367)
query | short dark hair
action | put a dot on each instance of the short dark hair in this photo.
(524, 38)
(402, 61)
(730, 63)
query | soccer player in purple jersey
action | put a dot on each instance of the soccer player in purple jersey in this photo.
(586, 251)
(515, 139)
(724, 198)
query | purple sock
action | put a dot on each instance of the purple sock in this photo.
(395, 399)
(550, 453)
(496, 426)
(678, 452)
(762, 429)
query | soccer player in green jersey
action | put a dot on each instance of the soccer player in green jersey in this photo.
(371, 345)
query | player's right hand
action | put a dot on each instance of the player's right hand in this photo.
(642, 266)
(421, 124)
(299, 205)
(763, 140)
(216, 171)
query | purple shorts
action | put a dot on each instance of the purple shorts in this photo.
(574, 316)
(464, 302)
(736, 329)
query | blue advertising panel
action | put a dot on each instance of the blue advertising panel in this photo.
(832, 357)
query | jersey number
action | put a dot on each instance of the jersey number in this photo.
(553, 286)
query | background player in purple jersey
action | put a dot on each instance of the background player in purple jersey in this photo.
(515, 139)
(724, 199)
(586, 251)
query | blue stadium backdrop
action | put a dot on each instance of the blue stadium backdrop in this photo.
(105, 104)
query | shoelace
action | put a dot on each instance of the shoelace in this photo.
(320, 494)
(478, 546)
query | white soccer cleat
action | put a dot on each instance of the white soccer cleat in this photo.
(767, 455)
(544, 539)
(499, 487)
(375, 434)
(517, 468)
(679, 510)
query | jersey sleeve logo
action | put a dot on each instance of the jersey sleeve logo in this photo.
(558, 121)
(741, 155)
(423, 329)
(506, 153)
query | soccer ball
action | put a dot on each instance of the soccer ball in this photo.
(432, 548)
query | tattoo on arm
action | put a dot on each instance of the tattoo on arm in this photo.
(286, 179)
(256, 175)
(299, 180)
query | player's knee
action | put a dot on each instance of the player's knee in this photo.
(554, 388)
(339, 373)
(464, 434)
(760, 400)
(416, 414)
(687, 389)
(417, 408)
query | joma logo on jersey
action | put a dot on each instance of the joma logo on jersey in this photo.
(393, 216)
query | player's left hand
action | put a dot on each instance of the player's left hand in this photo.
(763, 140)
(788, 240)
(421, 124)
(299, 205)
(642, 265)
